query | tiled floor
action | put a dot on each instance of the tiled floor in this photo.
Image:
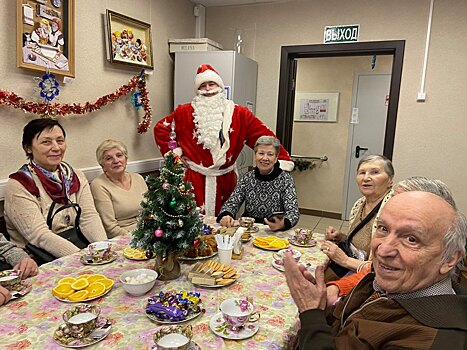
(319, 224)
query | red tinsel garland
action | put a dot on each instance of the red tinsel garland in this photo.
(53, 109)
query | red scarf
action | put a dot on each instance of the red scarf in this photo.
(54, 189)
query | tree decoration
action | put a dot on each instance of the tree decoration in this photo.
(172, 142)
(57, 109)
(49, 87)
(170, 212)
(159, 233)
(136, 99)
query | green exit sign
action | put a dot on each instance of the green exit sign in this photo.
(341, 34)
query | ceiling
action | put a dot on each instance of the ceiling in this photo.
(210, 3)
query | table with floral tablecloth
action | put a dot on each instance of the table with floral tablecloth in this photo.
(29, 322)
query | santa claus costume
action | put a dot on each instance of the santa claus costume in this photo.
(211, 132)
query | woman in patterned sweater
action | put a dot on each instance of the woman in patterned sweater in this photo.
(265, 190)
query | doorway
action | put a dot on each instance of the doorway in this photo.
(366, 130)
(287, 85)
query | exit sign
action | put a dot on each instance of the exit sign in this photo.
(341, 34)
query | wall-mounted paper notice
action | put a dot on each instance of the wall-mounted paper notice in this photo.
(354, 119)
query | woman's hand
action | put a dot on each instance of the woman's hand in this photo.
(275, 225)
(227, 221)
(332, 294)
(334, 253)
(5, 295)
(27, 266)
(333, 234)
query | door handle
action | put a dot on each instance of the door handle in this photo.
(358, 149)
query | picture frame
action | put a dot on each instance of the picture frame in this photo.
(45, 36)
(128, 40)
(316, 107)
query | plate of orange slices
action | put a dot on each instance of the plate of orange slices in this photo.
(85, 287)
(270, 243)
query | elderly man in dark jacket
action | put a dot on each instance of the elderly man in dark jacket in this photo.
(408, 301)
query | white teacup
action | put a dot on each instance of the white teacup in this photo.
(100, 250)
(279, 256)
(237, 311)
(173, 337)
(81, 320)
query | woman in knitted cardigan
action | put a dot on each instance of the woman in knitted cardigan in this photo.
(31, 190)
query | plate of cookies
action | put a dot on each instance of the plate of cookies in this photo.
(212, 274)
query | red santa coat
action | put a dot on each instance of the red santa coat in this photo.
(240, 127)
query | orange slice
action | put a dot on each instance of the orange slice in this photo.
(279, 244)
(67, 280)
(63, 290)
(93, 278)
(85, 276)
(79, 295)
(108, 283)
(95, 289)
(80, 283)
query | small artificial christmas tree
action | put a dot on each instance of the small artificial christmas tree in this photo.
(169, 221)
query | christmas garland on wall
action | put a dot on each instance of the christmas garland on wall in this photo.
(51, 110)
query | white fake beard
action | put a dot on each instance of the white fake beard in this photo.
(208, 117)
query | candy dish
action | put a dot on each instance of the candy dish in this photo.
(63, 337)
(87, 259)
(311, 243)
(173, 308)
(220, 328)
(21, 289)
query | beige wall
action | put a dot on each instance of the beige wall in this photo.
(430, 137)
(326, 181)
(95, 77)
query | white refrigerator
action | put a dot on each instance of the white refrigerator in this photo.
(239, 74)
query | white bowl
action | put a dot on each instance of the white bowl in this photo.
(139, 288)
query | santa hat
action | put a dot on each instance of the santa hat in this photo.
(206, 73)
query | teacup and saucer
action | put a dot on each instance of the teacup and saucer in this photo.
(83, 326)
(237, 319)
(174, 338)
(99, 253)
(248, 223)
(302, 237)
(278, 261)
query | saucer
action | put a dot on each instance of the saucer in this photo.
(21, 289)
(192, 346)
(277, 266)
(220, 328)
(63, 338)
(312, 243)
(89, 261)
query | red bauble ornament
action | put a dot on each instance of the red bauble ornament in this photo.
(158, 232)
(196, 243)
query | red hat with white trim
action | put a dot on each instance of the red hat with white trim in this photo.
(206, 73)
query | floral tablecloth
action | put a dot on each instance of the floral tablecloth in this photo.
(29, 322)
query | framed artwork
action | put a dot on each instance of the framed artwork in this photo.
(129, 40)
(316, 106)
(45, 37)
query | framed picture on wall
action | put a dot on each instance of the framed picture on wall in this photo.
(45, 37)
(129, 40)
(316, 106)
